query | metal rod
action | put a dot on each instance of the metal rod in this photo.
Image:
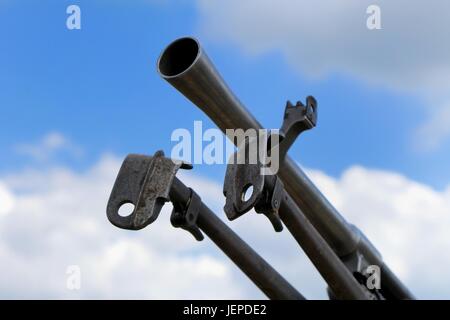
(186, 66)
(253, 265)
(335, 273)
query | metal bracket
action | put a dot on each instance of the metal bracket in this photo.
(185, 217)
(266, 193)
(243, 175)
(265, 198)
(144, 182)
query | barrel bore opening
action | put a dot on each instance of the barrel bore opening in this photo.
(178, 57)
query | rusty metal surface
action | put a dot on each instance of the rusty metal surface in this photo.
(243, 174)
(145, 182)
(266, 191)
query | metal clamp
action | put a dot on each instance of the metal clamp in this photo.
(270, 201)
(185, 217)
(243, 174)
(246, 188)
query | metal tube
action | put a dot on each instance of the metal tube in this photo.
(186, 66)
(252, 264)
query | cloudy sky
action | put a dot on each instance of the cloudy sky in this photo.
(73, 103)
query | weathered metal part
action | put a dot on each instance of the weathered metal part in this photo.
(186, 66)
(339, 278)
(270, 200)
(144, 182)
(135, 181)
(267, 196)
(243, 175)
(265, 201)
(296, 119)
(186, 217)
(262, 274)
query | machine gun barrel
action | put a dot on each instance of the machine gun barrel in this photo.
(185, 65)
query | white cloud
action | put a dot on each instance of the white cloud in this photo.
(6, 200)
(57, 219)
(407, 221)
(48, 146)
(410, 53)
(436, 129)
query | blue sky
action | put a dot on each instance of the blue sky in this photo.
(99, 87)
(73, 103)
